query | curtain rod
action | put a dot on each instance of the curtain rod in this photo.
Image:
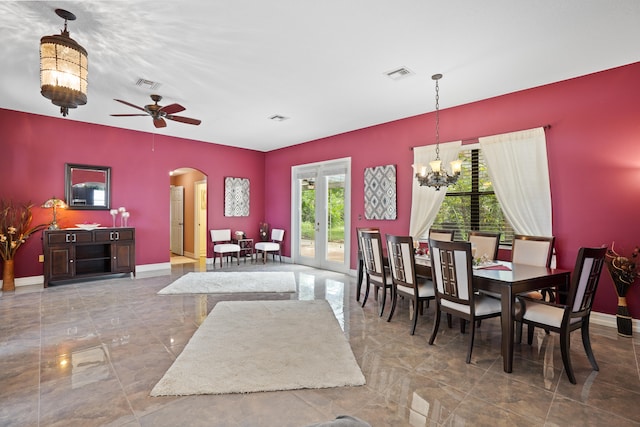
(475, 139)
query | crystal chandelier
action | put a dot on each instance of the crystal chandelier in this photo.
(438, 177)
(63, 68)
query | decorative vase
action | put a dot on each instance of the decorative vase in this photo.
(8, 278)
(623, 318)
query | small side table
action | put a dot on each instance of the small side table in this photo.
(246, 248)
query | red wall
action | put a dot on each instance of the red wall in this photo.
(34, 150)
(593, 149)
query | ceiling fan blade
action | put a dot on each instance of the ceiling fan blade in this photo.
(187, 120)
(172, 108)
(159, 122)
(128, 115)
(130, 104)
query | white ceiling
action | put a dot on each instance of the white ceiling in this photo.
(235, 63)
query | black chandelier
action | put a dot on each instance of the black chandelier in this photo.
(438, 177)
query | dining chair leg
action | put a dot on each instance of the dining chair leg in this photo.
(415, 316)
(394, 300)
(586, 342)
(565, 347)
(530, 329)
(384, 298)
(366, 291)
(472, 334)
(360, 277)
(436, 324)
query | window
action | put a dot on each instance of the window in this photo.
(471, 204)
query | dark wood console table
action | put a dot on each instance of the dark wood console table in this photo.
(75, 254)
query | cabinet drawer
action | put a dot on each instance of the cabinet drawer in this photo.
(59, 237)
(114, 234)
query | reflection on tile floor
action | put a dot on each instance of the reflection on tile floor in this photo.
(88, 354)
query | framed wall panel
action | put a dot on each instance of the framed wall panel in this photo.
(236, 196)
(380, 192)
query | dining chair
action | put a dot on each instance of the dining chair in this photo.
(222, 245)
(452, 273)
(361, 258)
(566, 318)
(274, 246)
(403, 276)
(442, 235)
(374, 265)
(537, 251)
(485, 243)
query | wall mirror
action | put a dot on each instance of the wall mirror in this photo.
(88, 187)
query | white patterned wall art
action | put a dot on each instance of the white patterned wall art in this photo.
(236, 196)
(380, 192)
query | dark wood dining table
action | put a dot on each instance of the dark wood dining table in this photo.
(508, 280)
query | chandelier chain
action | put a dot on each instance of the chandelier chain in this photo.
(437, 121)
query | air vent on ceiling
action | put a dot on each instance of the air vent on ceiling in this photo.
(399, 73)
(278, 118)
(147, 84)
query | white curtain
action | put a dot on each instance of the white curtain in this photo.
(426, 201)
(518, 168)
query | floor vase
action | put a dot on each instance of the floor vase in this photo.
(623, 318)
(8, 278)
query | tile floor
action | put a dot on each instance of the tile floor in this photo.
(88, 354)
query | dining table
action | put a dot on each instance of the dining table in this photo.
(507, 279)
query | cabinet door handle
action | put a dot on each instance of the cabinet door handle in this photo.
(117, 235)
(73, 238)
(70, 261)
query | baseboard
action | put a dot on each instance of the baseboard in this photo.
(597, 318)
(39, 280)
(285, 259)
(610, 320)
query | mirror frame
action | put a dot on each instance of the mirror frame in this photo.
(68, 186)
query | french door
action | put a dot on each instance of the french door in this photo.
(321, 206)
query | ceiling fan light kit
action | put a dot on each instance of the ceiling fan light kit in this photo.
(159, 113)
(63, 68)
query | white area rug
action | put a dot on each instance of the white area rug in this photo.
(232, 282)
(250, 346)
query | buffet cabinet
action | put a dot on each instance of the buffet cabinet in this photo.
(77, 254)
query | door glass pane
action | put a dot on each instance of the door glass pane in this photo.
(335, 218)
(307, 234)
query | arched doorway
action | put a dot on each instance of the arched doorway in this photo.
(188, 227)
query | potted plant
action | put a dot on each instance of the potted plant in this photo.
(624, 272)
(15, 223)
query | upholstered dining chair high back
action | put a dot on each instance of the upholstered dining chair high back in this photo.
(222, 245)
(441, 235)
(486, 244)
(375, 266)
(406, 283)
(452, 273)
(532, 250)
(361, 258)
(575, 314)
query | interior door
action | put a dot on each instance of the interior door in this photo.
(200, 224)
(321, 214)
(177, 219)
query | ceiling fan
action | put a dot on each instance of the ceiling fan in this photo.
(159, 113)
